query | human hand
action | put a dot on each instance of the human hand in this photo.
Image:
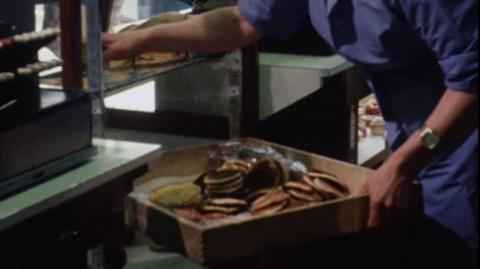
(393, 193)
(123, 46)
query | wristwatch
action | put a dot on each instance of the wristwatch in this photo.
(430, 139)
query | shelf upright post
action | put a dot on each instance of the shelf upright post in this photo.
(95, 64)
(233, 66)
(242, 75)
(95, 89)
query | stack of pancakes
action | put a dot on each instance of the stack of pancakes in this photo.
(223, 183)
(227, 180)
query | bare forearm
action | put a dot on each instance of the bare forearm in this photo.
(453, 120)
(216, 31)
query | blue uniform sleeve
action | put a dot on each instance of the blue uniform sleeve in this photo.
(274, 18)
(450, 29)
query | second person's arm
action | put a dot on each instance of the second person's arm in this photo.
(216, 31)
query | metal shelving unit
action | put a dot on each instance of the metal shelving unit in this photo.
(205, 89)
(234, 117)
(119, 80)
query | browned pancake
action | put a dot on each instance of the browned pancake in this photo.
(189, 213)
(327, 190)
(306, 197)
(331, 180)
(299, 186)
(225, 190)
(222, 177)
(225, 186)
(235, 165)
(227, 202)
(295, 203)
(220, 209)
(257, 194)
(215, 215)
(272, 209)
(272, 198)
(308, 180)
(176, 195)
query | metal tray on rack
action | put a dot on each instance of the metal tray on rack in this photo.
(120, 79)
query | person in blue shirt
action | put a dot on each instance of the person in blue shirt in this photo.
(419, 57)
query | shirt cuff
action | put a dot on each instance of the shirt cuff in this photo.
(273, 20)
(461, 72)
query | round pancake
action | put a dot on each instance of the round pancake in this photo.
(255, 195)
(320, 191)
(295, 203)
(220, 209)
(235, 165)
(299, 186)
(229, 190)
(215, 215)
(176, 195)
(332, 180)
(327, 190)
(189, 213)
(306, 197)
(227, 185)
(227, 202)
(275, 208)
(221, 177)
(309, 181)
(273, 197)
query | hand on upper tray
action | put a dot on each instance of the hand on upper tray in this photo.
(129, 43)
(122, 46)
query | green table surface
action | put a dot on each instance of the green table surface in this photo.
(327, 65)
(114, 159)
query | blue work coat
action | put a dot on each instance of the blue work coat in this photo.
(411, 51)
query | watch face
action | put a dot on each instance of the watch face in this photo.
(431, 140)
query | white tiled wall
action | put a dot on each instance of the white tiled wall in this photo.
(130, 8)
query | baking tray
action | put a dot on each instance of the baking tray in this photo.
(219, 243)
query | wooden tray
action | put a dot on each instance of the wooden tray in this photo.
(219, 243)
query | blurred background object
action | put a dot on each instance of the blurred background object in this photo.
(148, 8)
(47, 16)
